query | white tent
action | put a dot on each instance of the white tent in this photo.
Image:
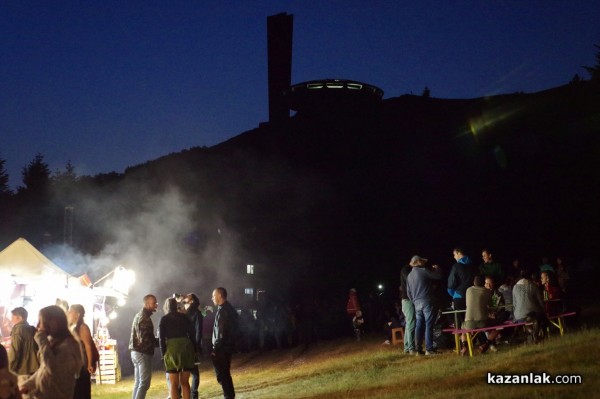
(28, 278)
(22, 263)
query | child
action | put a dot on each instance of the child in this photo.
(358, 322)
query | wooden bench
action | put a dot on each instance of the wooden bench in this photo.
(456, 337)
(472, 333)
(556, 320)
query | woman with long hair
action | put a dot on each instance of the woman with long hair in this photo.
(83, 385)
(60, 358)
(177, 347)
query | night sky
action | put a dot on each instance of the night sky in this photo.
(110, 84)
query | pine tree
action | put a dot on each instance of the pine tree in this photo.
(64, 184)
(4, 188)
(36, 175)
(65, 177)
(595, 70)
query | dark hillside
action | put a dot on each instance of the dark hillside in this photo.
(340, 196)
(343, 193)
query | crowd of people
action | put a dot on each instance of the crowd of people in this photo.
(56, 358)
(471, 296)
(180, 336)
(51, 360)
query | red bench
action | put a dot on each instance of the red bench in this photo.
(472, 333)
(556, 320)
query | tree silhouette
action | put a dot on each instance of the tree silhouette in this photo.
(64, 184)
(4, 189)
(36, 176)
(595, 70)
(576, 79)
(66, 177)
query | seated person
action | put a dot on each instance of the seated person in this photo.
(395, 319)
(527, 297)
(552, 293)
(479, 300)
(498, 309)
(506, 291)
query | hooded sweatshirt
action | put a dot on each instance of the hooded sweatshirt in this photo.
(461, 277)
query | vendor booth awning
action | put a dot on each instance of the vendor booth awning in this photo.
(21, 263)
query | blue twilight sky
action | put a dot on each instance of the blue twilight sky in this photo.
(109, 84)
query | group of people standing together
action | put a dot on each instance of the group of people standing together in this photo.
(476, 299)
(180, 342)
(53, 360)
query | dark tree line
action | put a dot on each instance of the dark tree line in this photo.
(355, 190)
(594, 71)
(31, 209)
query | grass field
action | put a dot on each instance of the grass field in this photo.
(347, 369)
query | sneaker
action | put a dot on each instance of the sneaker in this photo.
(483, 348)
(432, 353)
(386, 342)
(493, 348)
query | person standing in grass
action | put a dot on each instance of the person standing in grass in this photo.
(178, 348)
(352, 306)
(408, 308)
(490, 267)
(192, 304)
(83, 385)
(60, 355)
(23, 357)
(460, 278)
(224, 340)
(142, 344)
(419, 286)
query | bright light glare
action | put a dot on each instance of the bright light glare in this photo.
(380, 286)
(98, 314)
(123, 279)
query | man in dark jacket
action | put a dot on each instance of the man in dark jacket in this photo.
(224, 340)
(22, 357)
(461, 277)
(191, 303)
(142, 345)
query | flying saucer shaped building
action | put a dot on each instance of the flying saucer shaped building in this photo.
(328, 94)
